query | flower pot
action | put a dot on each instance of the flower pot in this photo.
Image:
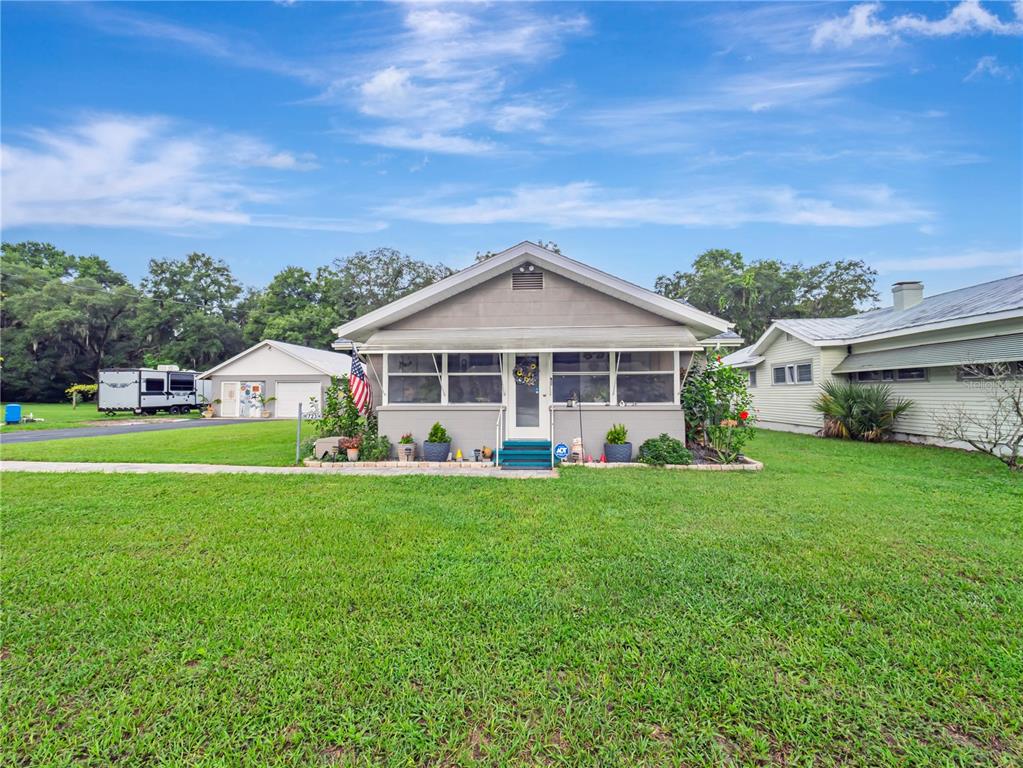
(353, 454)
(436, 451)
(406, 451)
(266, 413)
(619, 453)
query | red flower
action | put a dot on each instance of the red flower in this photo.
(719, 358)
(744, 415)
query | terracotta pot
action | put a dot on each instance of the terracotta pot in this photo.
(353, 454)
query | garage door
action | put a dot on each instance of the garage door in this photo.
(291, 393)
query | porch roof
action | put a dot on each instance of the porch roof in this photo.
(532, 339)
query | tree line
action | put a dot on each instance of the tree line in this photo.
(64, 317)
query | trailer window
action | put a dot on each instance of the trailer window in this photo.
(154, 385)
(181, 382)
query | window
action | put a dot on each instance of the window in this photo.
(911, 374)
(182, 382)
(154, 386)
(901, 374)
(977, 371)
(793, 373)
(646, 377)
(474, 378)
(583, 376)
(752, 377)
(413, 378)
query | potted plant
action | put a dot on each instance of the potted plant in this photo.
(617, 447)
(437, 445)
(351, 446)
(264, 403)
(406, 447)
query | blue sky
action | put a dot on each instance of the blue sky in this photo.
(634, 135)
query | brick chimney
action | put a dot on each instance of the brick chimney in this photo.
(907, 294)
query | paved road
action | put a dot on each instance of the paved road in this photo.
(63, 467)
(39, 435)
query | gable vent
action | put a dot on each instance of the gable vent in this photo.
(527, 278)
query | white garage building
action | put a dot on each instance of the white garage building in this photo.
(290, 373)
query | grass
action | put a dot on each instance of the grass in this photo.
(851, 605)
(62, 416)
(261, 442)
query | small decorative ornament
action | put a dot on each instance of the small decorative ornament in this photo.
(603, 459)
(458, 455)
(476, 454)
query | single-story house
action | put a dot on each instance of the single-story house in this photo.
(918, 346)
(497, 351)
(290, 373)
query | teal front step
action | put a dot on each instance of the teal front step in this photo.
(526, 454)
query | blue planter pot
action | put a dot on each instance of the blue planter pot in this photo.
(436, 451)
(617, 454)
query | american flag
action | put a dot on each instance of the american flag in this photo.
(359, 385)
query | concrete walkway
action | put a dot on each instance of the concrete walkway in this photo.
(62, 467)
(39, 435)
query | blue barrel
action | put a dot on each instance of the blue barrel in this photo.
(12, 413)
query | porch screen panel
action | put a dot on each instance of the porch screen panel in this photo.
(646, 377)
(412, 378)
(585, 376)
(474, 377)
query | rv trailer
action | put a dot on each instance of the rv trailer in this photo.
(149, 390)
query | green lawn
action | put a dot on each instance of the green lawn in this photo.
(851, 605)
(62, 416)
(261, 442)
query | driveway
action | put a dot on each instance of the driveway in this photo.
(40, 435)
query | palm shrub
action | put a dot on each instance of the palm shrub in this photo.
(859, 411)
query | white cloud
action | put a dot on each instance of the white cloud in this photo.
(988, 65)
(585, 204)
(453, 71)
(863, 22)
(144, 172)
(971, 259)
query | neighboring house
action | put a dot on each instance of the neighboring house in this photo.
(496, 351)
(290, 373)
(917, 346)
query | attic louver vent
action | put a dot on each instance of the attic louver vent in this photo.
(527, 278)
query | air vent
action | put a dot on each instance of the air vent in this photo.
(527, 278)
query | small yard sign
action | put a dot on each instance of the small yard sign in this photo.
(561, 451)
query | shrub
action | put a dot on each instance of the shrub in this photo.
(728, 439)
(80, 392)
(340, 416)
(376, 448)
(664, 449)
(617, 435)
(714, 393)
(438, 434)
(859, 411)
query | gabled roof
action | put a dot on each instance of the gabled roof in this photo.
(700, 322)
(998, 299)
(322, 360)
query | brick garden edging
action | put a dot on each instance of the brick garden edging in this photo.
(466, 466)
(749, 465)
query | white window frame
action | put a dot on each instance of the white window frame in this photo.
(610, 373)
(792, 374)
(441, 375)
(751, 377)
(498, 374)
(676, 386)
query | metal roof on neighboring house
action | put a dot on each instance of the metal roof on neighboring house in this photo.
(742, 358)
(727, 339)
(994, 349)
(974, 301)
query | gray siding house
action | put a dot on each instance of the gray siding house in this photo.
(497, 351)
(918, 346)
